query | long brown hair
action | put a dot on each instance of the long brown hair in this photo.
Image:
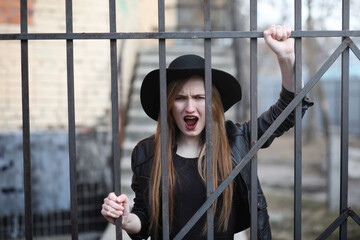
(222, 164)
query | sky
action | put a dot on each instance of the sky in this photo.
(327, 14)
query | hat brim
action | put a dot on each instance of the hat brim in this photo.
(227, 86)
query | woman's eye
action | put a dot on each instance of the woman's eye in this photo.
(199, 97)
(179, 98)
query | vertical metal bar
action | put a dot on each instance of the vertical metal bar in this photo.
(163, 123)
(298, 127)
(239, 58)
(115, 112)
(344, 120)
(208, 117)
(26, 121)
(71, 122)
(253, 114)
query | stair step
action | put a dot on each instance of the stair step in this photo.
(127, 148)
(136, 133)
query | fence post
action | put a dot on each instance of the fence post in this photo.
(333, 170)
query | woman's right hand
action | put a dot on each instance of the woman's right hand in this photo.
(115, 206)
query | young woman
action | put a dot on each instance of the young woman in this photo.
(186, 148)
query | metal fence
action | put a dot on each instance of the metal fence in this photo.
(207, 35)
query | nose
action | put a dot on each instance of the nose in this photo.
(189, 107)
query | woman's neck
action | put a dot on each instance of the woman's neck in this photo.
(188, 147)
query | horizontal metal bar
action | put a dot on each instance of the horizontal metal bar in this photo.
(128, 35)
(169, 35)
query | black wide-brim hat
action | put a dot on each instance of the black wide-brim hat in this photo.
(184, 67)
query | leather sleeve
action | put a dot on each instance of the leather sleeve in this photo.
(268, 117)
(139, 207)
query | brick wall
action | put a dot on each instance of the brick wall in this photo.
(47, 67)
(47, 61)
(10, 11)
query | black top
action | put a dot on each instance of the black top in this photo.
(190, 194)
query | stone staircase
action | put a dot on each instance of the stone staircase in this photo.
(139, 125)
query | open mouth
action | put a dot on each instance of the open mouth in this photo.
(190, 122)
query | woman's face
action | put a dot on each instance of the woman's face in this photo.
(188, 109)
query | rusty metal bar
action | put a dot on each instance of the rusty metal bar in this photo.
(253, 113)
(298, 126)
(26, 121)
(344, 149)
(256, 147)
(163, 122)
(115, 112)
(208, 117)
(170, 35)
(71, 122)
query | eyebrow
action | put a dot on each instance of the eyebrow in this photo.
(192, 95)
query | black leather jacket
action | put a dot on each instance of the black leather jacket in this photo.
(239, 140)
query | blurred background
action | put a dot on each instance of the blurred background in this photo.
(49, 114)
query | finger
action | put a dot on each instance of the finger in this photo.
(110, 219)
(111, 208)
(108, 212)
(279, 33)
(111, 214)
(283, 32)
(112, 196)
(123, 199)
(268, 34)
(111, 204)
(288, 31)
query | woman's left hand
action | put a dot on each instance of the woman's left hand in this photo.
(278, 39)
